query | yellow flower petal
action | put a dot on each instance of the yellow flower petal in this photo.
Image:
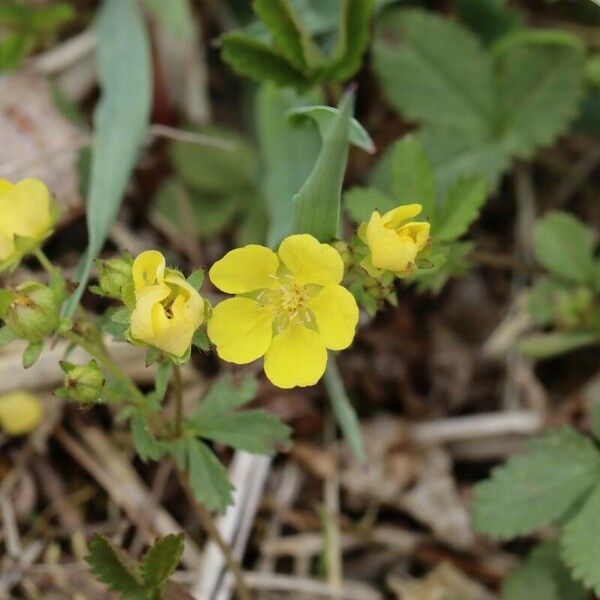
(336, 314)
(246, 269)
(418, 231)
(142, 316)
(32, 198)
(7, 245)
(395, 217)
(309, 261)
(389, 251)
(20, 412)
(148, 269)
(241, 329)
(296, 357)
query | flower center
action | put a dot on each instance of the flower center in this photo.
(289, 304)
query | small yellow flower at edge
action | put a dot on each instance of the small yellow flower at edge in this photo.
(20, 412)
(290, 308)
(394, 240)
(168, 310)
(27, 215)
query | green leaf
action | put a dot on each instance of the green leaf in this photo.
(208, 478)
(289, 154)
(201, 341)
(146, 445)
(564, 246)
(460, 208)
(352, 38)
(547, 345)
(259, 61)
(540, 86)
(213, 169)
(435, 71)
(324, 116)
(224, 396)
(542, 576)
(542, 299)
(254, 431)
(317, 204)
(580, 543)
(345, 414)
(162, 380)
(121, 120)
(32, 353)
(490, 19)
(121, 315)
(6, 336)
(412, 178)
(196, 278)
(449, 262)
(290, 37)
(533, 489)
(115, 568)
(360, 202)
(161, 559)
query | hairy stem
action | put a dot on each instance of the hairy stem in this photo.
(44, 261)
(213, 532)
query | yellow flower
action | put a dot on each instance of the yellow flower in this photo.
(20, 412)
(290, 309)
(394, 240)
(168, 310)
(27, 216)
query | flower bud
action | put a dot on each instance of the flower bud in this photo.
(115, 276)
(344, 251)
(33, 312)
(83, 383)
(20, 412)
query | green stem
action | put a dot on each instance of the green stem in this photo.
(213, 532)
(178, 389)
(44, 261)
(344, 412)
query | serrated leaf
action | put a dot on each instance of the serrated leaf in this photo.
(412, 178)
(161, 559)
(542, 576)
(360, 202)
(580, 543)
(289, 154)
(317, 204)
(460, 208)
(32, 353)
(254, 431)
(324, 116)
(252, 58)
(120, 122)
(290, 37)
(225, 396)
(146, 445)
(535, 488)
(540, 86)
(115, 568)
(564, 246)
(433, 70)
(352, 38)
(547, 345)
(208, 477)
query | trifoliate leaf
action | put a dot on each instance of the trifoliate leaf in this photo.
(161, 559)
(564, 246)
(224, 396)
(538, 487)
(208, 477)
(360, 202)
(542, 576)
(115, 568)
(461, 206)
(540, 86)
(580, 543)
(254, 431)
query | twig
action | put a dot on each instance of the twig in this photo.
(215, 535)
(477, 426)
(66, 54)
